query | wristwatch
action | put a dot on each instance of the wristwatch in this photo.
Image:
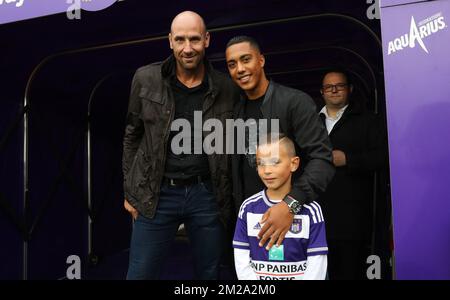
(294, 205)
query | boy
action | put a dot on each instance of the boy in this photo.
(303, 253)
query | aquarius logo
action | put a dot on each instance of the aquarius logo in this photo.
(417, 33)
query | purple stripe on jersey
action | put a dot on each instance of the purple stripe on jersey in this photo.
(318, 253)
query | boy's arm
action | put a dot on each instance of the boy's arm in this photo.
(241, 247)
(242, 261)
(317, 250)
(316, 268)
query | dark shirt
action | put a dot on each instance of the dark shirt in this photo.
(187, 100)
(251, 182)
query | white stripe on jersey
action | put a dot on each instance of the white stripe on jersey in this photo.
(319, 219)
(241, 244)
(248, 201)
(320, 210)
(320, 249)
(316, 207)
(312, 211)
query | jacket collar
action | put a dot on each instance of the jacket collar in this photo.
(266, 107)
(168, 70)
(324, 112)
(353, 108)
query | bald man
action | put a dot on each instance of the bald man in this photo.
(165, 187)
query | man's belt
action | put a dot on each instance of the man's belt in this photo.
(186, 181)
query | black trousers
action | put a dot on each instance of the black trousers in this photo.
(347, 260)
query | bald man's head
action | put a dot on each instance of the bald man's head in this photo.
(188, 17)
(188, 39)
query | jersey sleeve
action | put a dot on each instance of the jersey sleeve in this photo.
(317, 243)
(240, 239)
(242, 262)
(316, 268)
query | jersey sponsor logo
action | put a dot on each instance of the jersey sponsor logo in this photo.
(417, 33)
(279, 271)
(276, 252)
(299, 228)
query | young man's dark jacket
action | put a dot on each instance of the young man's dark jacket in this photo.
(150, 114)
(347, 202)
(298, 119)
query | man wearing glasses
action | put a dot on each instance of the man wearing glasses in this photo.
(358, 151)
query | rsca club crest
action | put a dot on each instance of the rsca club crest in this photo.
(296, 226)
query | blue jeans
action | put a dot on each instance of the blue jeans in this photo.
(197, 208)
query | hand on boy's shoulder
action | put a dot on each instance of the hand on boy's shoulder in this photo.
(277, 220)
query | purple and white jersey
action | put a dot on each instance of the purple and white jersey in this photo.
(305, 238)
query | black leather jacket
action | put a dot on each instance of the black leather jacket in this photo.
(150, 113)
(299, 120)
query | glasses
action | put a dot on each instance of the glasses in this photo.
(328, 88)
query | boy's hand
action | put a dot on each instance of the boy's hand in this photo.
(277, 221)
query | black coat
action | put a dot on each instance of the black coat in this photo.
(348, 200)
(296, 112)
(151, 111)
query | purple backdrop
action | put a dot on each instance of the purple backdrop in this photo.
(417, 77)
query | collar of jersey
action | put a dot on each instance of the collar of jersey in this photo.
(267, 200)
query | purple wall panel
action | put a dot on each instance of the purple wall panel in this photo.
(417, 76)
